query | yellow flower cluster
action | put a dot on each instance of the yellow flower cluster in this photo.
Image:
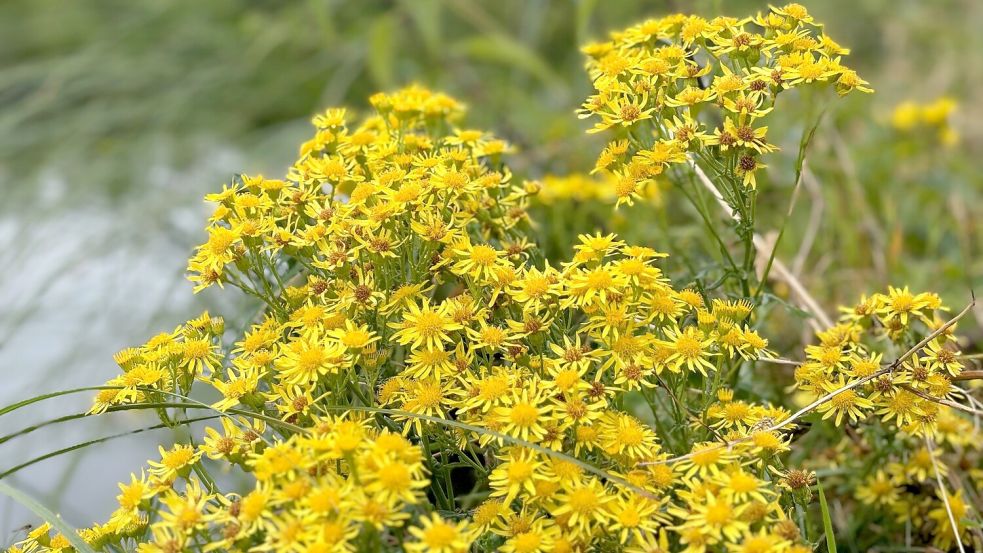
(905, 390)
(662, 81)
(887, 368)
(912, 118)
(421, 378)
(166, 365)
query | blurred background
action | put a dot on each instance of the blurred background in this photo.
(116, 116)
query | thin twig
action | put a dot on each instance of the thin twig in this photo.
(779, 361)
(968, 375)
(974, 402)
(941, 400)
(945, 495)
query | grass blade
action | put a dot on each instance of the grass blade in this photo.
(189, 404)
(25, 402)
(827, 521)
(83, 445)
(40, 510)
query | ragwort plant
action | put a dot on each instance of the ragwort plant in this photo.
(420, 378)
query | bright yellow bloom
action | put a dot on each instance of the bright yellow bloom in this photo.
(436, 535)
(425, 325)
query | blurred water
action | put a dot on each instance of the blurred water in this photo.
(79, 281)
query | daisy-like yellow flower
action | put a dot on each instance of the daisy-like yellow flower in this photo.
(623, 434)
(634, 517)
(477, 261)
(428, 362)
(389, 477)
(304, 361)
(353, 336)
(427, 397)
(437, 535)
(716, 519)
(943, 358)
(691, 349)
(518, 473)
(900, 303)
(174, 462)
(236, 386)
(706, 459)
(491, 337)
(538, 536)
(878, 489)
(526, 413)
(594, 287)
(850, 403)
(585, 505)
(425, 326)
(535, 288)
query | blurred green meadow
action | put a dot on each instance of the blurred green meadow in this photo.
(117, 116)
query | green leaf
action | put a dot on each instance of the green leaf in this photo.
(40, 510)
(827, 521)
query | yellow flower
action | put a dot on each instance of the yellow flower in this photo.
(847, 402)
(477, 261)
(305, 361)
(174, 462)
(715, 519)
(900, 303)
(390, 478)
(535, 288)
(634, 517)
(425, 326)
(491, 337)
(690, 349)
(427, 397)
(624, 435)
(518, 473)
(235, 387)
(594, 287)
(526, 413)
(585, 506)
(353, 336)
(878, 489)
(436, 535)
(623, 111)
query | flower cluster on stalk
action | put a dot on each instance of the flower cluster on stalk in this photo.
(687, 88)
